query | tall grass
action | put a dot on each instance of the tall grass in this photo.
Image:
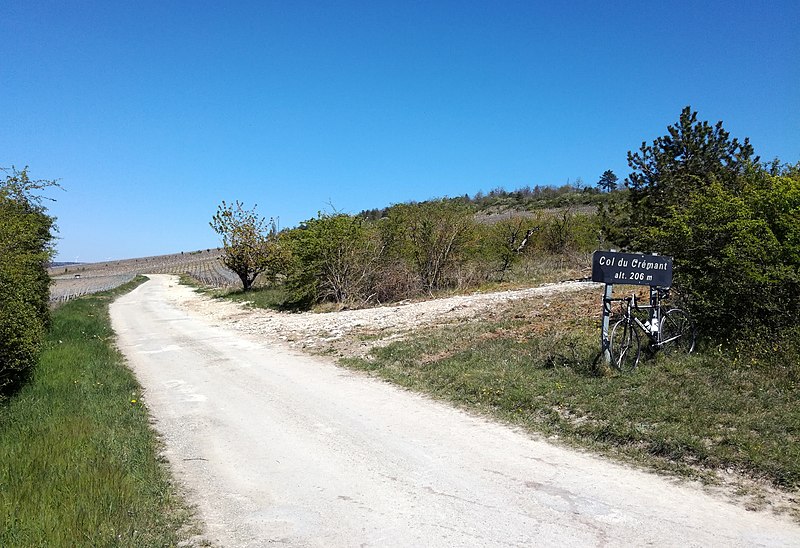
(78, 459)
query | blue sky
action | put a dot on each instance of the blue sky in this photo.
(151, 113)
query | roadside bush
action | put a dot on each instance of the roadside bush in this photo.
(333, 258)
(432, 238)
(568, 231)
(502, 244)
(731, 225)
(737, 256)
(410, 249)
(21, 332)
(25, 250)
(395, 281)
(418, 248)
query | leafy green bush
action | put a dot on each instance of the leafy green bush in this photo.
(731, 225)
(414, 248)
(333, 257)
(502, 244)
(431, 238)
(568, 231)
(737, 255)
(25, 238)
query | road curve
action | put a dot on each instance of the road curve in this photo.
(278, 448)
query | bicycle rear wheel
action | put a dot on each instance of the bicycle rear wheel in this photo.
(677, 332)
(624, 346)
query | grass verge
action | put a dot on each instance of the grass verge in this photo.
(271, 297)
(531, 365)
(78, 459)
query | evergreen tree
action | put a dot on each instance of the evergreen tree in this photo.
(675, 165)
(608, 181)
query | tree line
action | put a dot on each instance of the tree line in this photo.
(527, 198)
(412, 249)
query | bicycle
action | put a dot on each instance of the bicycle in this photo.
(671, 332)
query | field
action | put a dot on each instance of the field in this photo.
(75, 280)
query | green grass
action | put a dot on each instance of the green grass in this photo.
(271, 297)
(260, 297)
(78, 464)
(690, 415)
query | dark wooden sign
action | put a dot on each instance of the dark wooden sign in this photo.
(612, 267)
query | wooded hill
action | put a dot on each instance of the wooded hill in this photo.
(525, 199)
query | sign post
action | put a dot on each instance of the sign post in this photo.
(604, 341)
(612, 267)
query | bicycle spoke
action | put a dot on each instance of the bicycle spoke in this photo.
(677, 332)
(624, 346)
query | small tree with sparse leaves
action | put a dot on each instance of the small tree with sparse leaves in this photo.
(249, 242)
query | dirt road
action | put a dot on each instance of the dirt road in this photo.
(279, 448)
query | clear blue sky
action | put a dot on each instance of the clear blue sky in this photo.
(151, 113)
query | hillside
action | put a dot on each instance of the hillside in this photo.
(537, 199)
(79, 279)
(540, 202)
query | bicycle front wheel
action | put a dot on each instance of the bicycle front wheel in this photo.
(624, 346)
(677, 332)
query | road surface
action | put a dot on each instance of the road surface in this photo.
(279, 448)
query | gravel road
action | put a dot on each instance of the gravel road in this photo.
(279, 448)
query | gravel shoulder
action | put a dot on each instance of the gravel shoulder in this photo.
(355, 332)
(279, 447)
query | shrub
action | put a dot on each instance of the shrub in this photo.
(568, 231)
(501, 244)
(25, 250)
(737, 255)
(395, 281)
(431, 238)
(333, 258)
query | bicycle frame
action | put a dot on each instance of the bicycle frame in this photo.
(651, 328)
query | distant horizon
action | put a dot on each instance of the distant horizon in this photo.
(151, 114)
(58, 264)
